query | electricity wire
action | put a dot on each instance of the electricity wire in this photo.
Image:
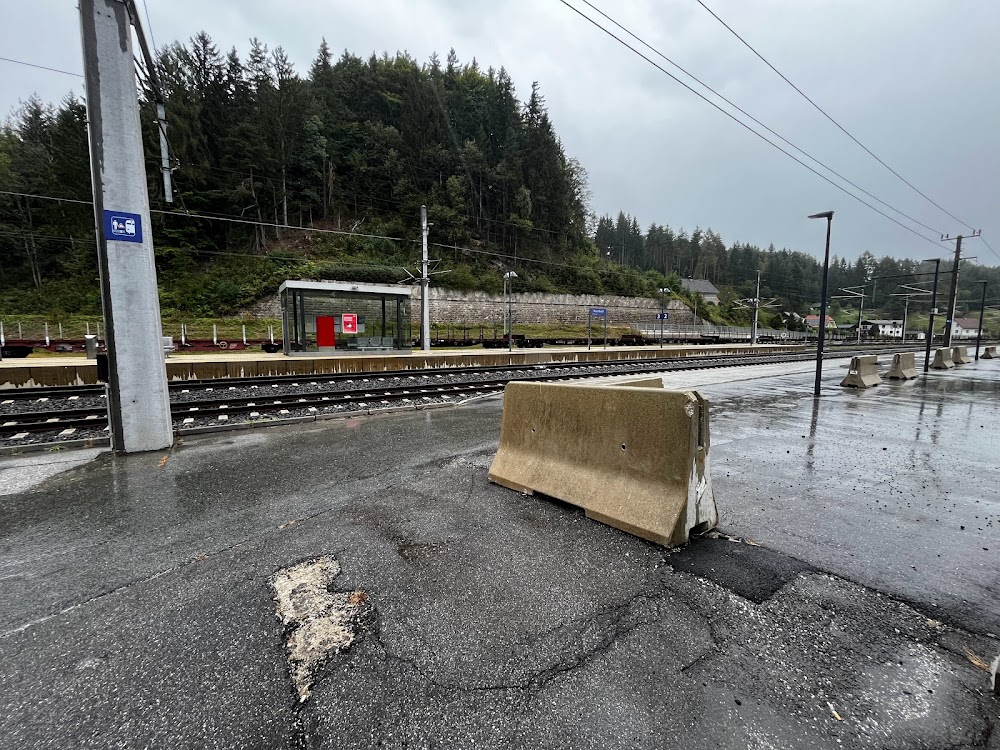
(831, 119)
(735, 119)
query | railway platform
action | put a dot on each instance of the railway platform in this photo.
(77, 370)
(849, 599)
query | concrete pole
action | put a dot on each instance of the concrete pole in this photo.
(425, 282)
(861, 314)
(3, 340)
(953, 292)
(906, 309)
(47, 342)
(139, 402)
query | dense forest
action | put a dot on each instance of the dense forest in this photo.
(279, 175)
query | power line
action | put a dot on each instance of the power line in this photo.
(45, 197)
(42, 67)
(744, 125)
(758, 122)
(193, 215)
(149, 24)
(741, 123)
(827, 116)
(989, 247)
(267, 256)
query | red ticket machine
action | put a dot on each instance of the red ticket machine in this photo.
(326, 336)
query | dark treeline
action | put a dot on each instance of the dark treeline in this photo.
(353, 146)
(794, 278)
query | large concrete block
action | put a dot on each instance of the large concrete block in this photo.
(942, 360)
(640, 383)
(862, 373)
(904, 366)
(960, 355)
(990, 352)
(636, 458)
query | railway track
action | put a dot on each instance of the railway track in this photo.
(221, 401)
(24, 395)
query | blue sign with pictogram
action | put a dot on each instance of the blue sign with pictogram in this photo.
(598, 312)
(122, 227)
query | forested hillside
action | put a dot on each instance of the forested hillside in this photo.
(350, 150)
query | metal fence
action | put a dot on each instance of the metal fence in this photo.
(728, 333)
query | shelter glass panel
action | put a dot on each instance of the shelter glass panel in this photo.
(317, 321)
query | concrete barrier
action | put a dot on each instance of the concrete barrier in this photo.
(641, 383)
(942, 360)
(990, 352)
(635, 458)
(863, 373)
(960, 355)
(904, 366)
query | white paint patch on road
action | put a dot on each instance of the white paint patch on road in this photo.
(22, 473)
(321, 623)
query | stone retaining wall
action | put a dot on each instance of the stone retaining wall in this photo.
(451, 307)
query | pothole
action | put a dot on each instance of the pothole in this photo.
(319, 622)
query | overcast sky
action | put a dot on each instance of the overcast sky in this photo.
(915, 80)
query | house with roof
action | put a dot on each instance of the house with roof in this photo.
(813, 321)
(883, 328)
(965, 328)
(704, 287)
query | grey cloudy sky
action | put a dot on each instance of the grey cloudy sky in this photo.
(915, 80)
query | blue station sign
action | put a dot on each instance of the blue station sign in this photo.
(598, 312)
(122, 227)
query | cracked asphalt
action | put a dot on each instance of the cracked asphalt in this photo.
(838, 608)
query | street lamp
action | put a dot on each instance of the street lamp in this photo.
(508, 285)
(930, 319)
(982, 309)
(662, 290)
(828, 215)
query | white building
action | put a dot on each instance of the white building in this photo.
(891, 329)
(964, 328)
(704, 287)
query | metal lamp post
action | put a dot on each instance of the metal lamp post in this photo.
(930, 320)
(982, 310)
(828, 215)
(662, 290)
(508, 284)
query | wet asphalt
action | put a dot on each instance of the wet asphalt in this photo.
(839, 608)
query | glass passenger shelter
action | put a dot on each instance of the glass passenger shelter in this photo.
(344, 316)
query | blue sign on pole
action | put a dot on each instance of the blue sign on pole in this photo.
(598, 312)
(663, 316)
(122, 227)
